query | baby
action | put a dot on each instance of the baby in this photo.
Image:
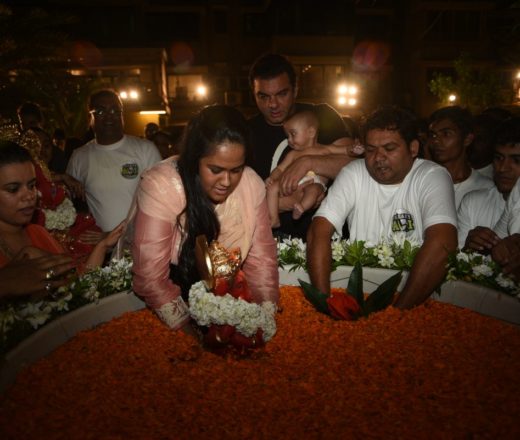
(302, 135)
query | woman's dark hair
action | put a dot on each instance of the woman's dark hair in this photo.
(11, 152)
(211, 127)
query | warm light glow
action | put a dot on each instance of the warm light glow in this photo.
(123, 94)
(352, 102)
(152, 112)
(202, 91)
(75, 72)
(134, 94)
(342, 100)
(347, 89)
(452, 98)
(518, 75)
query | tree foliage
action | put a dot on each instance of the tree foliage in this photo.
(33, 60)
(475, 88)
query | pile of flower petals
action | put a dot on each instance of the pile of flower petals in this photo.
(435, 371)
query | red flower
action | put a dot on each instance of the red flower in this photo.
(243, 343)
(240, 289)
(221, 287)
(51, 195)
(83, 223)
(218, 336)
(342, 306)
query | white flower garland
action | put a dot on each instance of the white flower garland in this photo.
(207, 308)
(87, 288)
(62, 217)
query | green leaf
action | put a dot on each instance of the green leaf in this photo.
(317, 298)
(355, 285)
(383, 295)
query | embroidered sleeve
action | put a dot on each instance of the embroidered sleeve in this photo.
(174, 313)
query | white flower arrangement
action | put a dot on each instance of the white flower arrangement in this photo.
(481, 269)
(399, 253)
(60, 218)
(207, 308)
(20, 318)
(393, 253)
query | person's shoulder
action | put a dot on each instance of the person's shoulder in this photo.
(138, 141)
(80, 152)
(481, 195)
(354, 168)
(251, 177)
(166, 168)
(256, 120)
(481, 179)
(425, 166)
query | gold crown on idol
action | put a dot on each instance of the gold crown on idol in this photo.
(215, 261)
(9, 131)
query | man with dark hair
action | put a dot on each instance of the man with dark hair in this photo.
(450, 135)
(58, 162)
(274, 86)
(149, 130)
(480, 210)
(109, 166)
(30, 116)
(391, 194)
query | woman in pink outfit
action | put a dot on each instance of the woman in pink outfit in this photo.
(207, 190)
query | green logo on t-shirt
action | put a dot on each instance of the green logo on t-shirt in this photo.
(130, 170)
(402, 221)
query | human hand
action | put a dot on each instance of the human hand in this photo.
(357, 149)
(287, 203)
(92, 237)
(319, 197)
(190, 328)
(75, 186)
(507, 254)
(114, 235)
(293, 174)
(481, 239)
(268, 182)
(30, 276)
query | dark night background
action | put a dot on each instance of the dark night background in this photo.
(54, 52)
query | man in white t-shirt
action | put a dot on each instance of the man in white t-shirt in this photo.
(480, 210)
(507, 251)
(450, 134)
(390, 192)
(109, 166)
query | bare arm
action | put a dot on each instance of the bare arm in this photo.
(274, 177)
(319, 254)
(429, 268)
(328, 166)
(97, 255)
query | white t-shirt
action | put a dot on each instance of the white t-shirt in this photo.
(475, 181)
(486, 171)
(482, 207)
(110, 174)
(509, 222)
(375, 211)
